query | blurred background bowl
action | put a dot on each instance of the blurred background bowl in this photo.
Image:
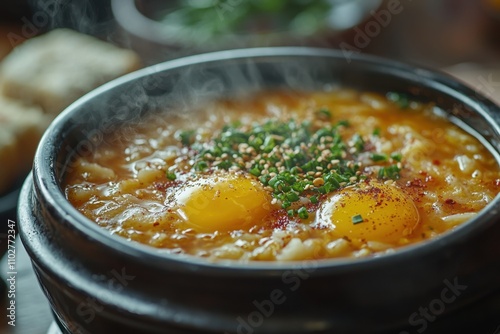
(161, 30)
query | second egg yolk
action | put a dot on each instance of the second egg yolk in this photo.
(371, 211)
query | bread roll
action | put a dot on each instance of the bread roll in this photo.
(55, 69)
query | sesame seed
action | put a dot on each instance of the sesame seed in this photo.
(318, 182)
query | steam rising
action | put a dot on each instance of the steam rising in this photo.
(81, 15)
(183, 90)
(177, 91)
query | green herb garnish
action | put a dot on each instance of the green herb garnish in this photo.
(296, 161)
(396, 156)
(389, 172)
(357, 219)
(186, 137)
(303, 214)
(359, 143)
(324, 114)
(400, 99)
(378, 157)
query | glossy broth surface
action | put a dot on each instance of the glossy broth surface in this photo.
(287, 176)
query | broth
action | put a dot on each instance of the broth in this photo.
(287, 176)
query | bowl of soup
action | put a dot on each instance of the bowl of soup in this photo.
(270, 190)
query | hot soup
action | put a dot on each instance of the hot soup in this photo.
(287, 176)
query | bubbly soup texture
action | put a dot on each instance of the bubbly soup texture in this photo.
(286, 176)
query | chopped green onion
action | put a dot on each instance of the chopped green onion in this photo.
(200, 166)
(396, 156)
(356, 219)
(225, 165)
(186, 137)
(292, 196)
(302, 212)
(264, 179)
(171, 176)
(389, 172)
(400, 99)
(344, 122)
(359, 143)
(378, 157)
(255, 171)
(324, 114)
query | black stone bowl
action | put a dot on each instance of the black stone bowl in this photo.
(101, 283)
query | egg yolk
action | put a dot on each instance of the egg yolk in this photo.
(371, 211)
(223, 203)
